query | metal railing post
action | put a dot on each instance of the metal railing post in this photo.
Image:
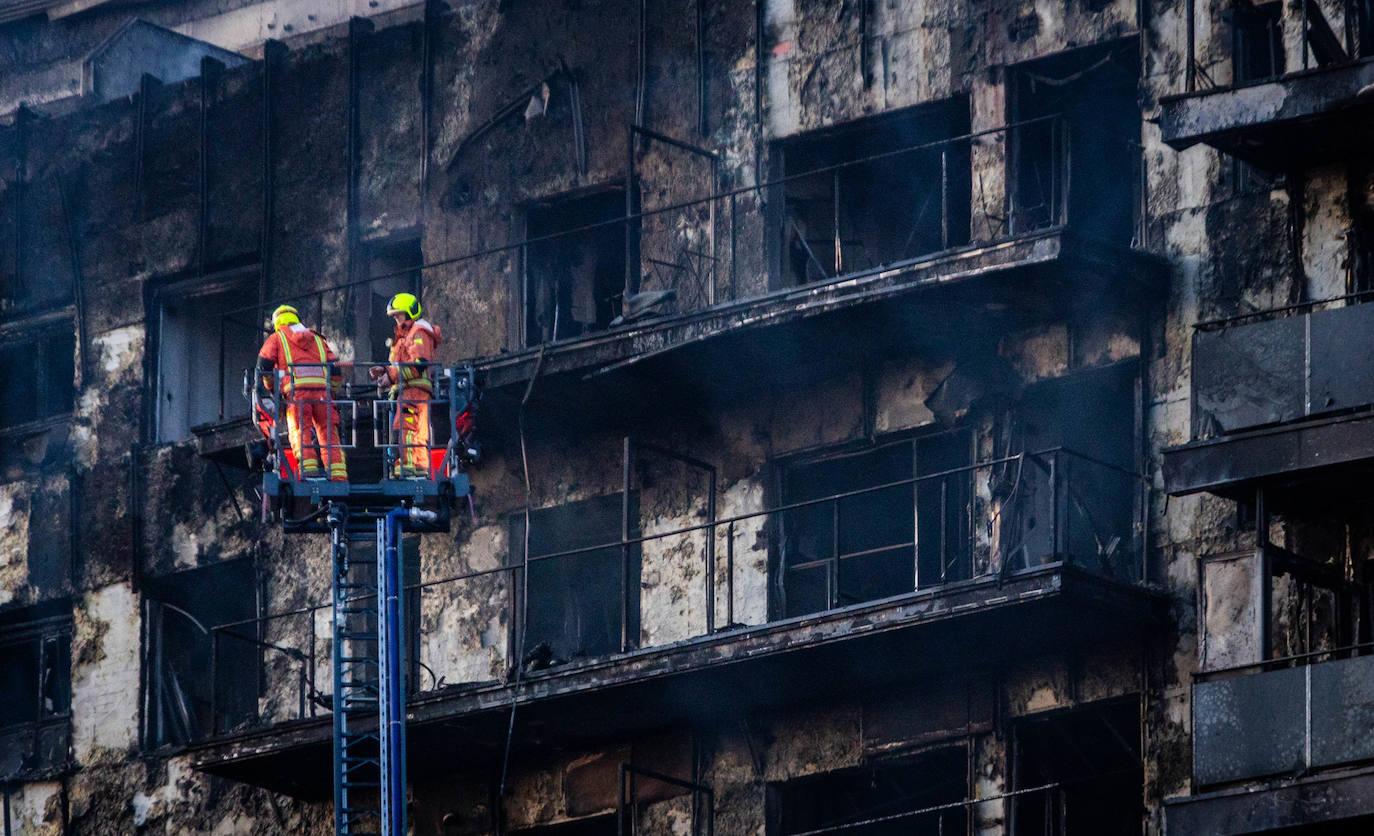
(710, 591)
(310, 660)
(214, 683)
(730, 576)
(624, 548)
(944, 197)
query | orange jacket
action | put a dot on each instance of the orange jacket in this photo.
(413, 342)
(300, 352)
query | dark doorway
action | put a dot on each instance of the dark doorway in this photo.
(879, 800)
(1077, 501)
(574, 606)
(881, 541)
(1075, 151)
(574, 278)
(1091, 758)
(875, 191)
(35, 688)
(1256, 41)
(181, 681)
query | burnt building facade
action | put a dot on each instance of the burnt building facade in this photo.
(932, 417)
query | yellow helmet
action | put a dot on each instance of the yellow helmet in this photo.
(405, 303)
(285, 315)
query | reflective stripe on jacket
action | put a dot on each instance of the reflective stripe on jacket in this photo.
(414, 342)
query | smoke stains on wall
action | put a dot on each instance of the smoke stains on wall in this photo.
(912, 302)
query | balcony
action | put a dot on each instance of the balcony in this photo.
(1277, 85)
(1063, 548)
(1300, 726)
(1280, 400)
(720, 283)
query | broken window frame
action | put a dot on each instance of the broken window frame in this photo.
(948, 151)
(526, 592)
(53, 634)
(233, 285)
(1052, 812)
(158, 710)
(1256, 34)
(44, 339)
(955, 551)
(1070, 131)
(526, 292)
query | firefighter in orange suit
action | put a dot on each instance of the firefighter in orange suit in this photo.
(312, 422)
(412, 384)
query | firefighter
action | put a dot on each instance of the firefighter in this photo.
(412, 383)
(312, 422)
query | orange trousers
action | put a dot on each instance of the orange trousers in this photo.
(312, 424)
(411, 424)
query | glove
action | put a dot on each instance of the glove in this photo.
(268, 404)
(377, 372)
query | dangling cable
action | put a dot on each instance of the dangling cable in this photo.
(525, 574)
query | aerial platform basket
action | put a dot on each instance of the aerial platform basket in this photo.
(373, 446)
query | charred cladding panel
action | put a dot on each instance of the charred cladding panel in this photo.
(1249, 375)
(1343, 711)
(1248, 726)
(1341, 376)
(1279, 370)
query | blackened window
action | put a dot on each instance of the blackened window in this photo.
(205, 342)
(574, 275)
(1257, 41)
(1074, 155)
(181, 681)
(1091, 756)
(40, 373)
(875, 191)
(911, 798)
(877, 541)
(35, 689)
(579, 603)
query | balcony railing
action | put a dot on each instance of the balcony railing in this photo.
(1284, 717)
(1252, 43)
(1283, 365)
(671, 256)
(1053, 507)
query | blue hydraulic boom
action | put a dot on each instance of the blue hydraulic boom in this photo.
(373, 505)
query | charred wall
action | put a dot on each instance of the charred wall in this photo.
(93, 505)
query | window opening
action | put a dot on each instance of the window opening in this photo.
(575, 600)
(573, 282)
(868, 214)
(200, 351)
(1080, 162)
(182, 682)
(1256, 41)
(397, 262)
(1093, 754)
(1088, 506)
(853, 796)
(878, 543)
(40, 366)
(35, 688)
